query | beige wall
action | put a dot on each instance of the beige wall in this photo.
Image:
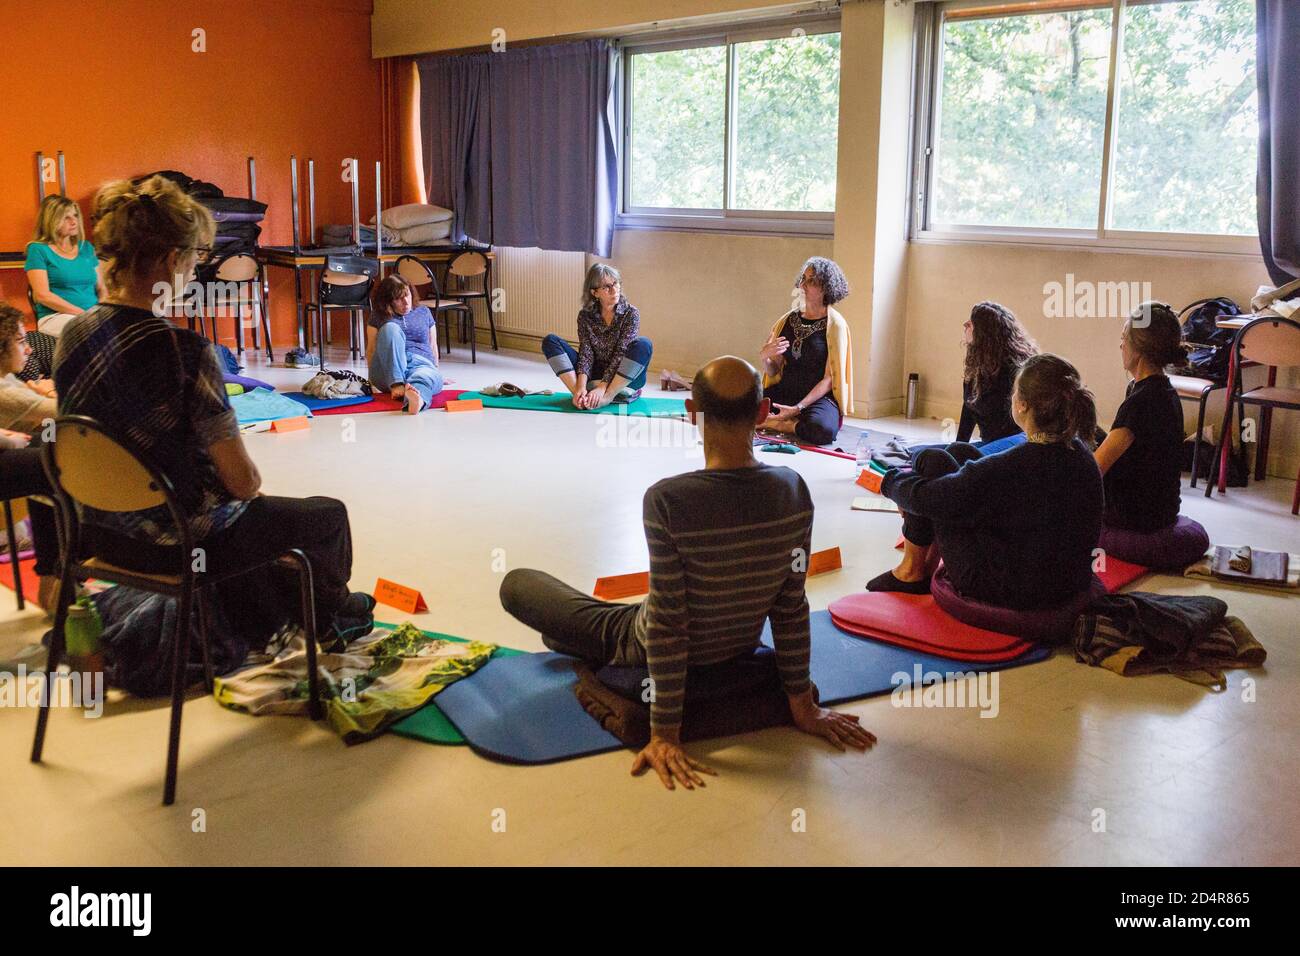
(402, 27)
(703, 295)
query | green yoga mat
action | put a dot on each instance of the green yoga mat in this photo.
(429, 723)
(563, 402)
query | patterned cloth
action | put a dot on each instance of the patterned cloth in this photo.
(160, 387)
(600, 346)
(377, 681)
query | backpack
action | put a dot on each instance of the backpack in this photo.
(1210, 346)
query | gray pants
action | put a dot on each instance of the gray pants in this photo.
(594, 631)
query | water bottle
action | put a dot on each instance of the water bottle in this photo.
(862, 453)
(913, 385)
(81, 632)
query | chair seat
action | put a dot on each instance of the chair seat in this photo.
(438, 304)
(1274, 395)
(101, 566)
(1188, 386)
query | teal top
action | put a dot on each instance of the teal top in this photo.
(70, 279)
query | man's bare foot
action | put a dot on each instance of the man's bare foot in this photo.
(414, 401)
(397, 392)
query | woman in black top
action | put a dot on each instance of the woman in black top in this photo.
(996, 346)
(1141, 458)
(1015, 529)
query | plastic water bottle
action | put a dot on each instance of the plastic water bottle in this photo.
(862, 453)
(81, 632)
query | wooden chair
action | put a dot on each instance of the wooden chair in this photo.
(422, 280)
(88, 465)
(1270, 341)
(469, 277)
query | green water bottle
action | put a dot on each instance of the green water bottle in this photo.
(82, 631)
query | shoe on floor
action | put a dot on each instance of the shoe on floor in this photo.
(353, 620)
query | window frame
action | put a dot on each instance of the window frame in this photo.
(928, 83)
(770, 222)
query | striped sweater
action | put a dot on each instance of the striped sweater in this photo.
(728, 550)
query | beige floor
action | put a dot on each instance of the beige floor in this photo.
(1183, 776)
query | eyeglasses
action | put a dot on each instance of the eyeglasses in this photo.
(607, 287)
(805, 280)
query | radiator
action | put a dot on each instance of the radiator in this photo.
(541, 291)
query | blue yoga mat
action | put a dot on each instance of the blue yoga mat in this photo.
(523, 710)
(316, 404)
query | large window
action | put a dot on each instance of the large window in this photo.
(1027, 127)
(733, 131)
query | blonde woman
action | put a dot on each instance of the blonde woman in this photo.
(62, 268)
(139, 374)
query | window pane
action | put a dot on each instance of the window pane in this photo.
(1021, 120)
(787, 123)
(1186, 140)
(679, 100)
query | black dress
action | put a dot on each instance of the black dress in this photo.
(819, 422)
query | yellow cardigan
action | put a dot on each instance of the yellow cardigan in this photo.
(839, 359)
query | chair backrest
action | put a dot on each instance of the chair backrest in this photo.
(93, 468)
(1270, 341)
(466, 266)
(240, 267)
(417, 273)
(346, 280)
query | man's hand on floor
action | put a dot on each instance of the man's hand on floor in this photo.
(672, 763)
(842, 730)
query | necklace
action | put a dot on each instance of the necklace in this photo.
(802, 330)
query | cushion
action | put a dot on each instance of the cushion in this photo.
(1169, 549)
(425, 233)
(1047, 625)
(414, 214)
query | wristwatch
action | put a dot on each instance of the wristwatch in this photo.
(800, 407)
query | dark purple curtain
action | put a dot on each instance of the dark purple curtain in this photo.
(455, 113)
(521, 144)
(1277, 32)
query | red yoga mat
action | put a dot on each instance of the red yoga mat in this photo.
(27, 572)
(914, 621)
(382, 403)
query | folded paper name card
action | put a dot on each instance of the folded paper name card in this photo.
(622, 586)
(871, 480)
(297, 423)
(819, 562)
(399, 596)
(465, 405)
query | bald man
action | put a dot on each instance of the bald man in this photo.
(728, 545)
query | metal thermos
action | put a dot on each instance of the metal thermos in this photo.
(913, 386)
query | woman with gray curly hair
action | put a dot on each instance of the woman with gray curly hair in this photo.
(807, 360)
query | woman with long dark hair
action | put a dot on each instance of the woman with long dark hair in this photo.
(996, 346)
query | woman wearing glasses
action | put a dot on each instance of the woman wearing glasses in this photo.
(139, 375)
(808, 359)
(612, 358)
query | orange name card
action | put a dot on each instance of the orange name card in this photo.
(622, 586)
(291, 424)
(399, 596)
(870, 480)
(465, 405)
(819, 562)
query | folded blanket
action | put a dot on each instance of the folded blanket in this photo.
(260, 405)
(424, 234)
(336, 231)
(414, 214)
(1190, 637)
(376, 681)
(336, 383)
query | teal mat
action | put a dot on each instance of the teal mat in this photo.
(429, 723)
(563, 402)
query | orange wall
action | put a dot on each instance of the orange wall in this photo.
(116, 86)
